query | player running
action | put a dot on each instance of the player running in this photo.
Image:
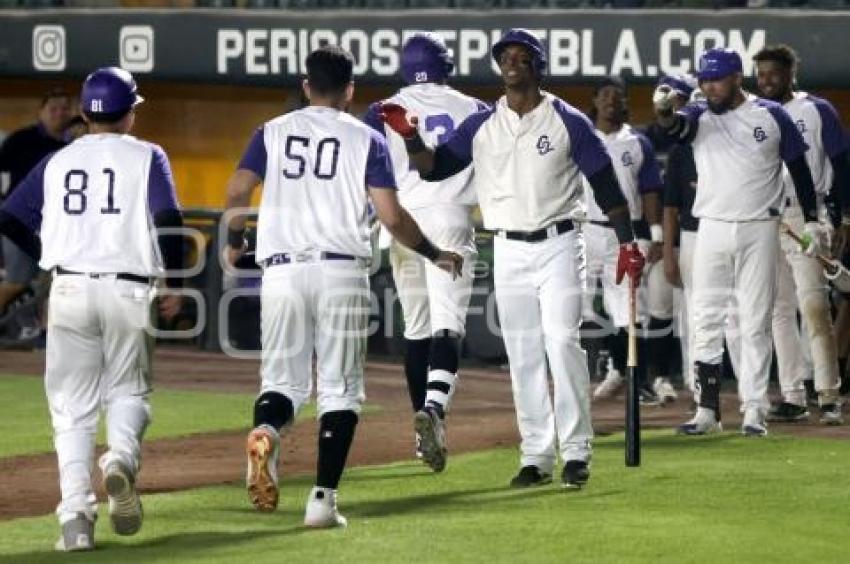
(434, 304)
(320, 168)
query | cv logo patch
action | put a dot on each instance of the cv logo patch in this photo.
(626, 159)
(759, 135)
(801, 125)
(543, 145)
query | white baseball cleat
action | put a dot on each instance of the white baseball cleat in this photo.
(610, 385)
(754, 424)
(664, 390)
(77, 534)
(704, 422)
(262, 450)
(125, 507)
(830, 414)
(321, 510)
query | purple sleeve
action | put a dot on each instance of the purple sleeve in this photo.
(459, 143)
(791, 144)
(379, 167)
(161, 192)
(832, 135)
(27, 199)
(649, 176)
(254, 158)
(586, 148)
(373, 120)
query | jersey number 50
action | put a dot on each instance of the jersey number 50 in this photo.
(326, 150)
(75, 201)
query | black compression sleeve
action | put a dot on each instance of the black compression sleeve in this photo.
(171, 245)
(12, 228)
(606, 189)
(805, 187)
(841, 181)
(446, 164)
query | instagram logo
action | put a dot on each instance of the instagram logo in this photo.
(48, 48)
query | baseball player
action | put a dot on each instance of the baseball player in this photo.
(740, 143)
(639, 176)
(680, 226)
(528, 154)
(434, 305)
(800, 279)
(94, 205)
(319, 167)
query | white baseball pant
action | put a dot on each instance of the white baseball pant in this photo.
(429, 298)
(736, 259)
(320, 305)
(98, 357)
(538, 288)
(801, 283)
(602, 251)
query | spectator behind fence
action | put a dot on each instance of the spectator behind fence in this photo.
(19, 153)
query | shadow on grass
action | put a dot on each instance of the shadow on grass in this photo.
(669, 440)
(170, 547)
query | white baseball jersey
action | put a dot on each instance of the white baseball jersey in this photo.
(440, 110)
(818, 123)
(636, 168)
(527, 169)
(94, 202)
(739, 157)
(316, 164)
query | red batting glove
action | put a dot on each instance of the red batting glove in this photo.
(399, 120)
(630, 261)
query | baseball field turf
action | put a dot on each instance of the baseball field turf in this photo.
(719, 499)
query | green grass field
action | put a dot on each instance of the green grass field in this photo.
(718, 499)
(26, 421)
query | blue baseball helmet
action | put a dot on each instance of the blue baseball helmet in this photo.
(425, 58)
(718, 63)
(683, 85)
(109, 90)
(519, 36)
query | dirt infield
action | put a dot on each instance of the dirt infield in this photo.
(482, 417)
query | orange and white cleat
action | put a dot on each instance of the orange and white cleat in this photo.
(262, 449)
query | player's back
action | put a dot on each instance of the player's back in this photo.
(314, 191)
(440, 110)
(96, 215)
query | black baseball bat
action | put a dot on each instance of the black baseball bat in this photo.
(632, 397)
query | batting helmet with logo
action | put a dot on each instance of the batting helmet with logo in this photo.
(718, 63)
(109, 90)
(519, 36)
(425, 58)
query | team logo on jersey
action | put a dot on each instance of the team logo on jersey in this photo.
(544, 146)
(801, 125)
(759, 135)
(626, 159)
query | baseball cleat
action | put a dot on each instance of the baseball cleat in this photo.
(321, 512)
(262, 448)
(432, 434)
(702, 423)
(786, 412)
(664, 390)
(754, 423)
(575, 474)
(830, 414)
(125, 507)
(529, 476)
(647, 397)
(609, 386)
(77, 534)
